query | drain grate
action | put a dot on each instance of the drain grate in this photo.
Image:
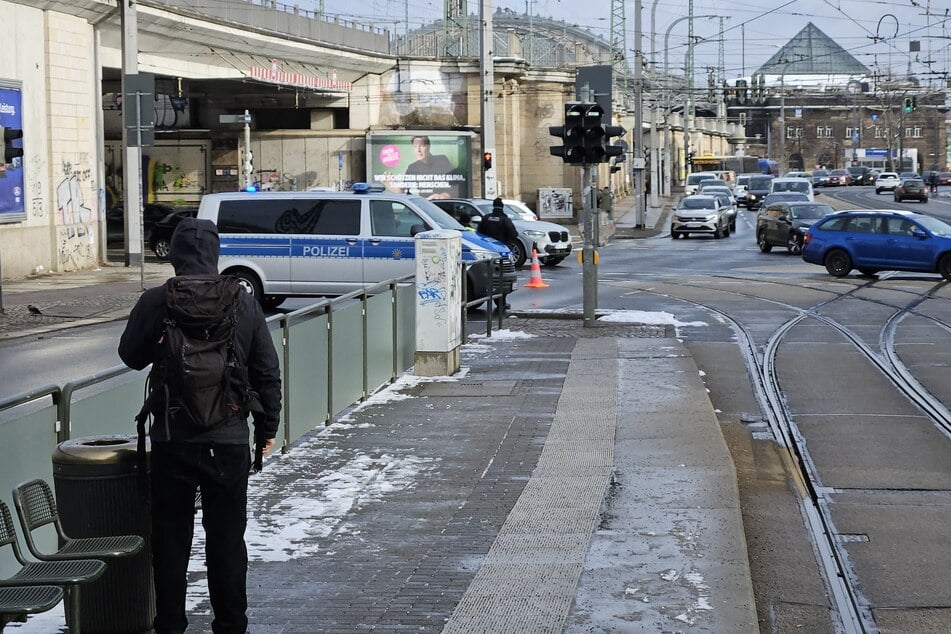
(469, 388)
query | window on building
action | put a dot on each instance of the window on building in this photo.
(792, 132)
(917, 132)
(823, 132)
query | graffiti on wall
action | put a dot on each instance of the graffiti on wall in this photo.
(70, 205)
(75, 247)
(35, 186)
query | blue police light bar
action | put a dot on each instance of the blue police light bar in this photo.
(367, 188)
(251, 188)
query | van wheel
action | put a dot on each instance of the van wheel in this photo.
(250, 282)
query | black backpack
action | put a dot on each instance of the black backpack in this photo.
(196, 376)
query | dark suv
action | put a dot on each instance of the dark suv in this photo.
(757, 190)
(861, 175)
(783, 224)
(913, 188)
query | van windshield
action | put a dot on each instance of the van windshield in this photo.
(440, 217)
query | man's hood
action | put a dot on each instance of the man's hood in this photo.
(194, 247)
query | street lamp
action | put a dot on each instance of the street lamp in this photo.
(667, 93)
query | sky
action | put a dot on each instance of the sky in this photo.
(877, 33)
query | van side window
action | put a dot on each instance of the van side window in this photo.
(392, 218)
(288, 216)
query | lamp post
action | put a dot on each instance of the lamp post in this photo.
(667, 95)
(782, 123)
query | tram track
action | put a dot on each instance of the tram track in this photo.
(853, 612)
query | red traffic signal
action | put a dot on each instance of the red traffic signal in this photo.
(487, 160)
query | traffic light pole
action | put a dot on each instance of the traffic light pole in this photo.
(132, 157)
(589, 262)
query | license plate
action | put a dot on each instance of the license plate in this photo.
(693, 225)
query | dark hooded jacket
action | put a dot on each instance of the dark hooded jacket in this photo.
(497, 225)
(194, 250)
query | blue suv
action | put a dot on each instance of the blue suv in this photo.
(873, 241)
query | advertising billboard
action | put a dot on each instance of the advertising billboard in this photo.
(12, 197)
(432, 164)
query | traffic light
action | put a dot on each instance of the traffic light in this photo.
(11, 151)
(907, 104)
(914, 103)
(594, 151)
(571, 133)
(487, 160)
(609, 148)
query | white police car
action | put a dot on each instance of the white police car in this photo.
(283, 244)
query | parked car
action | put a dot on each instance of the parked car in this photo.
(879, 240)
(700, 214)
(912, 188)
(551, 240)
(905, 175)
(839, 178)
(784, 223)
(944, 178)
(861, 175)
(310, 244)
(523, 210)
(160, 237)
(820, 178)
(726, 200)
(693, 181)
(886, 181)
(115, 220)
(757, 190)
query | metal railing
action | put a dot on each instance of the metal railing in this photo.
(317, 349)
(317, 346)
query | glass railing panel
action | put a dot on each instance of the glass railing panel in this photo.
(347, 356)
(308, 375)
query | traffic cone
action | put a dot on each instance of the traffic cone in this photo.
(536, 281)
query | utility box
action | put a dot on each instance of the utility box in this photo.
(438, 302)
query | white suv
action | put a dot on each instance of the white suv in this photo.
(886, 181)
(700, 214)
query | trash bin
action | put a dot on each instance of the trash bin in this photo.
(97, 495)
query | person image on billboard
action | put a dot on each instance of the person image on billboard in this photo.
(430, 175)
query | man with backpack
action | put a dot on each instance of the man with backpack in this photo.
(213, 363)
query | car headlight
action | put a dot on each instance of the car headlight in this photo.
(483, 254)
(535, 234)
(712, 217)
(753, 196)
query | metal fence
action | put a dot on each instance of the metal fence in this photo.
(333, 354)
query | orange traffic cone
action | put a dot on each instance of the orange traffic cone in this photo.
(536, 281)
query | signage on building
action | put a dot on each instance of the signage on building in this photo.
(275, 75)
(12, 197)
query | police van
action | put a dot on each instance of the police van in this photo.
(283, 244)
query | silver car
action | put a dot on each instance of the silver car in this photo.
(726, 199)
(700, 214)
(551, 240)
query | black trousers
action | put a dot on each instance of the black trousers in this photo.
(221, 472)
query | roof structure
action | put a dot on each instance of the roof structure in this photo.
(812, 52)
